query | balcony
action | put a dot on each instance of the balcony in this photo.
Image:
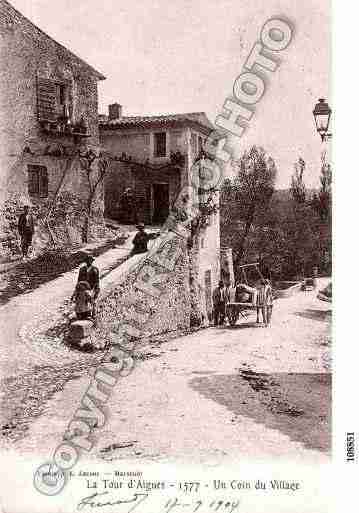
(64, 127)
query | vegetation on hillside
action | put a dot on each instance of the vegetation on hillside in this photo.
(287, 231)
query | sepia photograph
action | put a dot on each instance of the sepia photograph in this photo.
(166, 256)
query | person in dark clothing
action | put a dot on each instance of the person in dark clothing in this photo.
(89, 273)
(83, 301)
(26, 227)
(220, 298)
(129, 207)
(141, 239)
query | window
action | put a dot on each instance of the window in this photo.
(160, 144)
(46, 99)
(200, 144)
(62, 94)
(38, 183)
(54, 99)
(62, 100)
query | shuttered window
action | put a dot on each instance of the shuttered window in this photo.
(53, 99)
(160, 144)
(38, 182)
(46, 99)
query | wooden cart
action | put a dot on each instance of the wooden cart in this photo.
(234, 310)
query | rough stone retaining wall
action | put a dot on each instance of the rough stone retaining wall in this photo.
(122, 300)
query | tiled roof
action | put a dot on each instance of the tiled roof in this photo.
(198, 118)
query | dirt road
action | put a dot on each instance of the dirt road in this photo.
(216, 395)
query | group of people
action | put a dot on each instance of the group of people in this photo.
(261, 298)
(88, 283)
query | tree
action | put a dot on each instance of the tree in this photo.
(321, 204)
(95, 175)
(298, 189)
(256, 174)
(322, 201)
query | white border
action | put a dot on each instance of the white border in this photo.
(346, 317)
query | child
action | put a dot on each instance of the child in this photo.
(265, 302)
(83, 300)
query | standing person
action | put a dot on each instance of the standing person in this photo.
(129, 206)
(231, 293)
(141, 239)
(269, 303)
(89, 273)
(265, 302)
(26, 227)
(231, 290)
(83, 301)
(219, 303)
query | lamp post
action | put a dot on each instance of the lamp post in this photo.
(322, 113)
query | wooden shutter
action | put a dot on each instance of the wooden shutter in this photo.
(33, 180)
(46, 99)
(43, 182)
(160, 144)
(38, 182)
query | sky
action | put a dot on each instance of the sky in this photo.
(177, 56)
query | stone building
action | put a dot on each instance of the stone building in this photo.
(155, 156)
(151, 145)
(49, 109)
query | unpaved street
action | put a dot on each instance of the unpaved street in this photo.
(215, 395)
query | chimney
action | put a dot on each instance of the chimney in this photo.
(114, 111)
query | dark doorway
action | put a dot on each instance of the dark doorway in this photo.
(161, 201)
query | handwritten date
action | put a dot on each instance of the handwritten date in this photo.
(220, 506)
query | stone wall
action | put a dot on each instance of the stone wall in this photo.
(27, 54)
(227, 272)
(123, 299)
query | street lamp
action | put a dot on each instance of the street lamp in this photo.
(322, 113)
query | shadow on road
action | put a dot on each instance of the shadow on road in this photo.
(27, 276)
(25, 396)
(297, 405)
(315, 315)
(241, 325)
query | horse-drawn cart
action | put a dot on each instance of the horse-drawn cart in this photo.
(242, 306)
(234, 310)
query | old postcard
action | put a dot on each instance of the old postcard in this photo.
(166, 256)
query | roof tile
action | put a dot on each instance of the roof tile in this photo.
(132, 121)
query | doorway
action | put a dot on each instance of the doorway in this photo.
(161, 202)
